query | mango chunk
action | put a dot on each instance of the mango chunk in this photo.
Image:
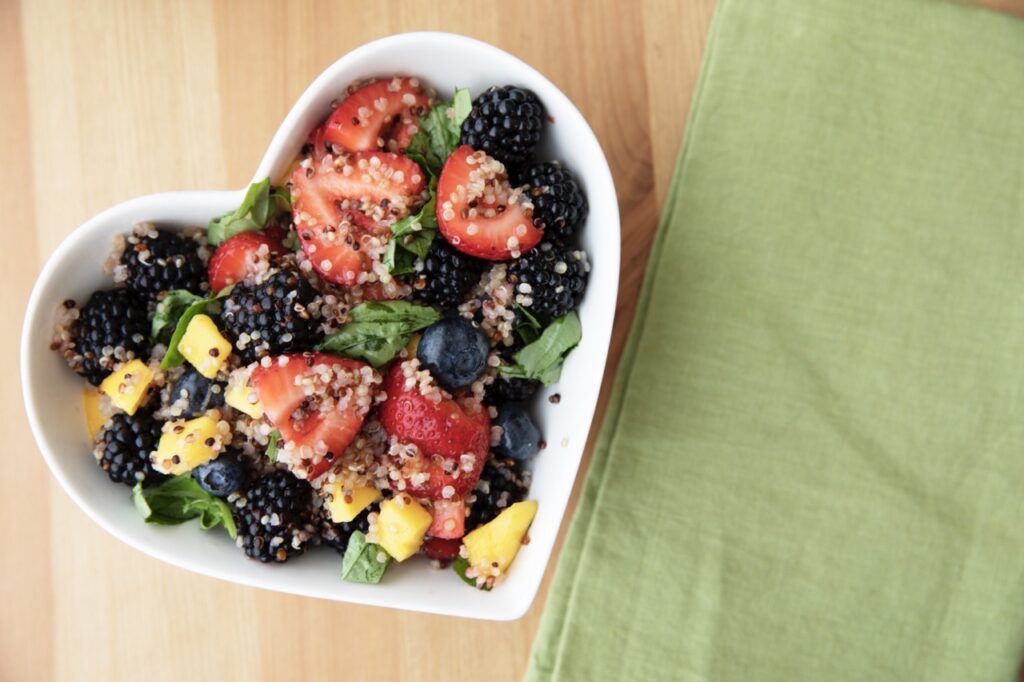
(94, 419)
(184, 445)
(346, 502)
(494, 545)
(127, 387)
(401, 525)
(243, 399)
(204, 347)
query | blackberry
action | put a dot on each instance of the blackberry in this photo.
(502, 483)
(550, 279)
(447, 276)
(506, 123)
(276, 522)
(510, 390)
(111, 326)
(159, 261)
(270, 317)
(336, 535)
(123, 446)
(559, 204)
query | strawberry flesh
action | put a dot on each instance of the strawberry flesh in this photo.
(449, 519)
(380, 115)
(238, 257)
(319, 426)
(478, 213)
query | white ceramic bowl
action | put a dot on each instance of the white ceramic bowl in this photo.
(53, 393)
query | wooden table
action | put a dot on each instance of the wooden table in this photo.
(103, 100)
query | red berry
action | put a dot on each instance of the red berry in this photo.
(497, 231)
(238, 257)
(441, 549)
(380, 115)
(444, 432)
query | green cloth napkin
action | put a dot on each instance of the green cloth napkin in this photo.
(812, 467)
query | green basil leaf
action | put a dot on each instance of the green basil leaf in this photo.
(542, 359)
(411, 237)
(275, 438)
(378, 330)
(364, 562)
(174, 358)
(459, 566)
(252, 214)
(439, 133)
(180, 499)
(169, 311)
(529, 327)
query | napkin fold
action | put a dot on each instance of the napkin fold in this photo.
(812, 467)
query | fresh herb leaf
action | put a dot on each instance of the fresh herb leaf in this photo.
(180, 499)
(174, 358)
(275, 438)
(252, 214)
(170, 310)
(528, 327)
(459, 566)
(439, 132)
(378, 330)
(364, 562)
(411, 237)
(542, 359)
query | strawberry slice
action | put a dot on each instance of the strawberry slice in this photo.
(451, 440)
(479, 213)
(313, 400)
(239, 257)
(449, 519)
(330, 202)
(380, 115)
(441, 549)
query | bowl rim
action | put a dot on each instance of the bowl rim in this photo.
(599, 176)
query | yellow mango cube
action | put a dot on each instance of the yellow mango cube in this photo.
(203, 346)
(184, 445)
(401, 525)
(94, 419)
(127, 387)
(494, 545)
(243, 399)
(345, 502)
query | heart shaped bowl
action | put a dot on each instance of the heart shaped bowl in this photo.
(52, 392)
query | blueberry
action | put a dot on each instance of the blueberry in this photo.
(520, 437)
(455, 351)
(200, 393)
(221, 476)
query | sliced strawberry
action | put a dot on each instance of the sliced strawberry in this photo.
(301, 395)
(449, 519)
(380, 115)
(331, 200)
(238, 257)
(441, 549)
(479, 213)
(452, 441)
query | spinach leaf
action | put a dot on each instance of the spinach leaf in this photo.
(378, 330)
(439, 132)
(170, 310)
(252, 214)
(542, 359)
(174, 358)
(459, 566)
(179, 499)
(275, 438)
(528, 327)
(411, 237)
(364, 562)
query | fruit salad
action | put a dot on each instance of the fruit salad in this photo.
(347, 359)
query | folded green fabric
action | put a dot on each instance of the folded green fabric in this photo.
(813, 463)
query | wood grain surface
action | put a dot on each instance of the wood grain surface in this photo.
(103, 100)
